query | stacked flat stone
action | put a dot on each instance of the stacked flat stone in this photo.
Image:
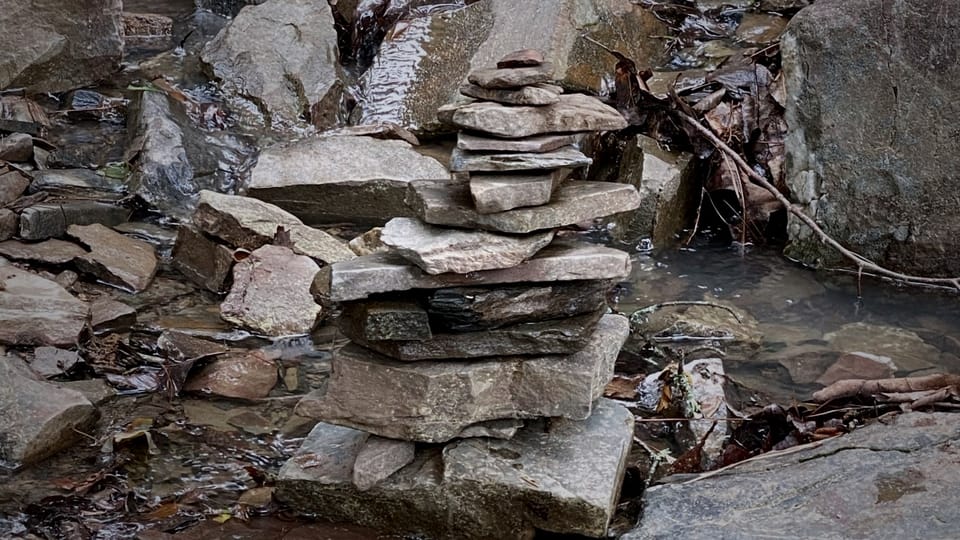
(468, 403)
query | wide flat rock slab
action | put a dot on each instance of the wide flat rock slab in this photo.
(51, 219)
(450, 203)
(494, 78)
(565, 479)
(51, 251)
(435, 401)
(567, 156)
(537, 143)
(387, 272)
(438, 250)
(881, 481)
(494, 193)
(38, 311)
(116, 259)
(573, 112)
(333, 179)
(528, 95)
(559, 336)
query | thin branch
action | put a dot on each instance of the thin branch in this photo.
(650, 309)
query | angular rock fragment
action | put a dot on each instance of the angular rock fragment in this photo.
(388, 320)
(49, 220)
(46, 252)
(271, 293)
(12, 185)
(114, 258)
(16, 147)
(449, 203)
(501, 192)
(8, 224)
(378, 458)
(52, 362)
(439, 250)
(521, 58)
(201, 260)
(435, 401)
(38, 311)
(384, 272)
(180, 347)
(574, 112)
(246, 375)
(537, 143)
(568, 156)
(511, 77)
(79, 183)
(527, 95)
(108, 315)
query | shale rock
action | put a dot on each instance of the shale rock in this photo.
(49, 220)
(201, 260)
(114, 258)
(568, 156)
(246, 375)
(378, 458)
(38, 311)
(47, 252)
(528, 95)
(537, 143)
(574, 112)
(494, 193)
(517, 77)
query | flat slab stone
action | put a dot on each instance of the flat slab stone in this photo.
(38, 311)
(434, 401)
(13, 183)
(450, 203)
(574, 112)
(527, 95)
(333, 179)
(494, 193)
(271, 293)
(78, 183)
(438, 250)
(249, 223)
(8, 224)
(378, 458)
(521, 58)
(537, 143)
(47, 252)
(387, 272)
(49, 220)
(241, 375)
(388, 320)
(559, 336)
(565, 479)
(886, 481)
(109, 315)
(514, 77)
(115, 258)
(201, 260)
(568, 156)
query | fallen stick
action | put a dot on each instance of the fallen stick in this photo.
(848, 388)
(862, 262)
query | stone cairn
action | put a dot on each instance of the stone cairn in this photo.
(468, 404)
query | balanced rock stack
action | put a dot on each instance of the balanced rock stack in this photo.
(468, 404)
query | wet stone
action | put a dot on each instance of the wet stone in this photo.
(900, 348)
(378, 458)
(512, 77)
(114, 258)
(494, 193)
(528, 95)
(179, 346)
(201, 260)
(438, 250)
(384, 130)
(38, 311)
(77, 183)
(243, 375)
(435, 401)
(109, 315)
(568, 156)
(388, 320)
(8, 224)
(559, 336)
(50, 220)
(387, 272)
(521, 58)
(574, 202)
(574, 112)
(537, 143)
(12, 185)
(16, 147)
(46, 252)
(52, 362)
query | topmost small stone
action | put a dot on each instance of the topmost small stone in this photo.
(521, 58)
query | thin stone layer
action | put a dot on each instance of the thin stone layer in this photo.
(568, 156)
(574, 112)
(494, 193)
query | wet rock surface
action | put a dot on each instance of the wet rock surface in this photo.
(568, 156)
(51, 220)
(242, 375)
(201, 260)
(114, 258)
(48, 251)
(573, 112)
(39, 311)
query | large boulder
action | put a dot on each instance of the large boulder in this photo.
(871, 155)
(53, 46)
(281, 56)
(421, 68)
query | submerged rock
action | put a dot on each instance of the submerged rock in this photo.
(246, 375)
(38, 311)
(899, 348)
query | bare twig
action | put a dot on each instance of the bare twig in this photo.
(862, 262)
(650, 309)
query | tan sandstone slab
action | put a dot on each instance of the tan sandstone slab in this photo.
(573, 112)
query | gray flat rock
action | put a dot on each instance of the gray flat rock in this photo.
(881, 481)
(494, 193)
(378, 458)
(51, 219)
(574, 112)
(450, 203)
(114, 258)
(109, 315)
(8, 224)
(12, 184)
(331, 179)
(495, 78)
(201, 260)
(568, 156)
(559, 336)
(271, 293)
(537, 143)
(46, 252)
(565, 479)
(386, 272)
(527, 95)
(438, 250)
(38, 311)
(521, 58)
(52, 362)
(77, 183)
(388, 320)
(434, 401)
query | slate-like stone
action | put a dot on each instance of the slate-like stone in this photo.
(16, 147)
(179, 346)
(478, 308)
(201, 260)
(559, 336)
(568, 156)
(450, 203)
(114, 258)
(438, 250)
(109, 315)
(335, 179)
(385, 272)
(38, 311)
(79, 183)
(388, 320)
(521, 58)
(46, 252)
(245, 375)
(886, 480)
(51, 219)
(37, 419)
(564, 479)
(434, 401)
(537, 143)
(8, 224)
(12, 185)
(494, 193)
(52, 362)
(528, 95)
(271, 293)
(495, 78)
(250, 223)
(574, 112)
(378, 458)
